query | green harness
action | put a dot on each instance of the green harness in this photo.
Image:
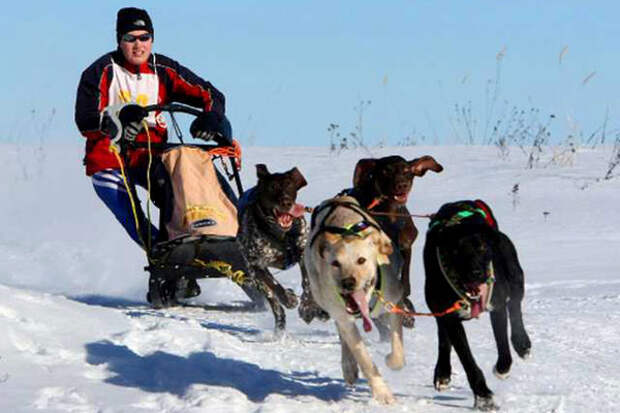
(466, 211)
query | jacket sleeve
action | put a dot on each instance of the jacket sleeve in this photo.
(185, 86)
(91, 99)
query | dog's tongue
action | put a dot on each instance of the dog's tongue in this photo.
(476, 309)
(479, 306)
(297, 210)
(360, 299)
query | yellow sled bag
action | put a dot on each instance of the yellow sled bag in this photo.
(200, 206)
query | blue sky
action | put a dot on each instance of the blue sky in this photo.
(290, 68)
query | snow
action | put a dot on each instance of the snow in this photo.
(78, 335)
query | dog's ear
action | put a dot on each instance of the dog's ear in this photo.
(297, 177)
(322, 246)
(419, 166)
(261, 171)
(383, 243)
(363, 171)
(327, 239)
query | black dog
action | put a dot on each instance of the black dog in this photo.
(274, 233)
(382, 186)
(469, 261)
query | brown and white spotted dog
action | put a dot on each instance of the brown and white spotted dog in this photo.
(273, 233)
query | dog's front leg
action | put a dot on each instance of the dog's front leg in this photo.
(443, 368)
(396, 359)
(351, 336)
(408, 320)
(483, 396)
(278, 311)
(350, 369)
(286, 295)
(404, 279)
(308, 308)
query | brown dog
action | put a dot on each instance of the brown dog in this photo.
(382, 186)
(273, 233)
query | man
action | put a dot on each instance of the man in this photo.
(132, 74)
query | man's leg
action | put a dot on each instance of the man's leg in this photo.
(109, 186)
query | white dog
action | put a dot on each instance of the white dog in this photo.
(352, 269)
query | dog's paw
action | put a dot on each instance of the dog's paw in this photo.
(308, 310)
(522, 345)
(408, 320)
(395, 362)
(502, 375)
(442, 383)
(485, 403)
(350, 372)
(381, 393)
(288, 299)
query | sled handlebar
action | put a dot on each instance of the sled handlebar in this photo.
(172, 108)
(115, 127)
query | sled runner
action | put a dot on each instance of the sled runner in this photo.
(197, 212)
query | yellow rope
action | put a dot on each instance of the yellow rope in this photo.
(114, 150)
(224, 268)
(148, 181)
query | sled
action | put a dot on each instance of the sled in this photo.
(182, 254)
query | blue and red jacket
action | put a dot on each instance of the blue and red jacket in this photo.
(111, 80)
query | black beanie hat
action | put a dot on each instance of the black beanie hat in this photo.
(131, 18)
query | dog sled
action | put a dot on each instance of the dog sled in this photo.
(197, 212)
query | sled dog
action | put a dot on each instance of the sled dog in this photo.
(353, 270)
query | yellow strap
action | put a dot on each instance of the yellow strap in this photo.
(224, 268)
(148, 181)
(114, 150)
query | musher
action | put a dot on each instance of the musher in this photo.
(133, 74)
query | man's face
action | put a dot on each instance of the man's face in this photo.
(135, 49)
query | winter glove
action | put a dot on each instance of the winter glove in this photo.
(212, 126)
(131, 117)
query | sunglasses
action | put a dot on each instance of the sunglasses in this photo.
(130, 38)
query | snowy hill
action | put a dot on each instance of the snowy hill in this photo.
(78, 335)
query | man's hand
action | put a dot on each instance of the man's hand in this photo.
(131, 117)
(211, 126)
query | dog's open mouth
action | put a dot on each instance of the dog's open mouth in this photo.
(356, 304)
(478, 296)
(401, 198)
(285, 218)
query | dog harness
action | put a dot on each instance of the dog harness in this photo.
(457, 213)
(356, 229)
(461, 211)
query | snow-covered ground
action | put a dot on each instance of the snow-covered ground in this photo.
(77, 335)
